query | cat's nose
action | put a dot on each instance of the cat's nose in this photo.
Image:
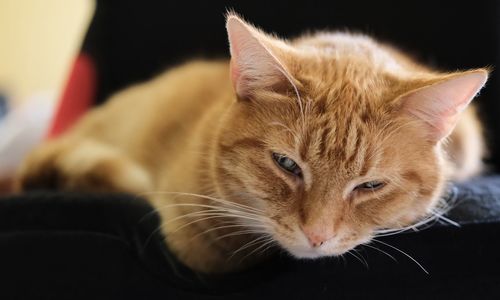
(317, 236)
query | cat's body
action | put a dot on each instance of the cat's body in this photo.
(327, 101)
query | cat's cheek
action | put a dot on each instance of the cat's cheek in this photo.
(411, 216)
(293, 243)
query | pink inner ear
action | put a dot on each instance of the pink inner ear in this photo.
(253, 66)
(440, 104)
(235, 74)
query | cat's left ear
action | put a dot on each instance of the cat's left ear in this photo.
(256, 59)
(440, 103)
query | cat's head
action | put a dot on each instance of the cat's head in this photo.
(334, 136)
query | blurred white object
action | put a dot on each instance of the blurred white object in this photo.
(24, 127)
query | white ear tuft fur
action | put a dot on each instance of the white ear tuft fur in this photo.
(440, 104)
(253, 64)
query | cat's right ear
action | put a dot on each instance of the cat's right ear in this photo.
(440, 104)
(254, 59)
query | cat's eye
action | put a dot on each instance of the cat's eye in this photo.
(370, 185)
(287, 164)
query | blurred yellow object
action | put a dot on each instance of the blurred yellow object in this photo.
(38, 40)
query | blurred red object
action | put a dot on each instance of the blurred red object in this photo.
(77, 97)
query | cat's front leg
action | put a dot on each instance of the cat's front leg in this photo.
(81, 165)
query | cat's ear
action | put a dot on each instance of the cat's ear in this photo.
(254, 58)
(440, 103)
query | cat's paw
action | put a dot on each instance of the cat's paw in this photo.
(81, 166)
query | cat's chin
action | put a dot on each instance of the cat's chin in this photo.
(305, 254)
(312, 253)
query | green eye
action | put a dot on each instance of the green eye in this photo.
(370, 185)
(287, 164)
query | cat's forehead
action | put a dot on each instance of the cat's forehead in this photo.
(336, 136)
(347, 67)
(349, 82)
(346, 86)
(344, 95)
(342, 121)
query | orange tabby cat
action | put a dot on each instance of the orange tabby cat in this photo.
(316, 144)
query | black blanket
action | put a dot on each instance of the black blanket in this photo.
(76, 246)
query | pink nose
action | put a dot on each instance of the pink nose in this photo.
(317, 236)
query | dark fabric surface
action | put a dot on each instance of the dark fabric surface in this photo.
(476, 201)
(69, 246)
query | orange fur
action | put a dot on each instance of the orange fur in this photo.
(335, 103)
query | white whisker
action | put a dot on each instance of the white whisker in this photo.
(264, 243)
(227, 202)
(226, 227)
(361, 260)
(404, 253)
(241, 232)
(247, 245)
(380, 250)
(448, 220)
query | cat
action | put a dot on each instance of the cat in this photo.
(314, 145)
